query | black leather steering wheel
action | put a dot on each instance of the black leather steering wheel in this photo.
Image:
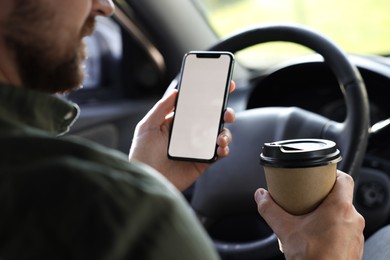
(223, 196)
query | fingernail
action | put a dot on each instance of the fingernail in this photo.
(259, 195)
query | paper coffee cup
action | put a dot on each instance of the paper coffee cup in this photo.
(300, 173)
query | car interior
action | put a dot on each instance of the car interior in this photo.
(325, 91)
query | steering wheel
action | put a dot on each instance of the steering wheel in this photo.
(223, 195)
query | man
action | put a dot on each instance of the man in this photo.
(66, 198)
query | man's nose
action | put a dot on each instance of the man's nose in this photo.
(103, 7)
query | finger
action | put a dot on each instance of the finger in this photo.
(224, 138)
(161, 109)
(229, 115)
(232, 86)
(223, 151)
(268, 209)
(343, 188)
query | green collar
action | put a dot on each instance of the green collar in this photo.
(35, 109)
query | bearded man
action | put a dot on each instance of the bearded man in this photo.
(68, 198)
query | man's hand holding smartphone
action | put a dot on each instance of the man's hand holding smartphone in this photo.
(150, 143)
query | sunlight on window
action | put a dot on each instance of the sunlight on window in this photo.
(358, 26)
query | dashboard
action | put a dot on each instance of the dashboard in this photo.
(308, 83)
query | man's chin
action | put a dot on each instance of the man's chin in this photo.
(71, 89)
(63, 83)
(69, 76)
(67, 89)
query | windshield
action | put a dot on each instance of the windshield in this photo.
(357, 26)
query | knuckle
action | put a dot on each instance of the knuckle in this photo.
(262, 207)
(361, 221)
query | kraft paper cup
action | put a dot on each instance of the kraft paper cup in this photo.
(300, 190)
(300, 173)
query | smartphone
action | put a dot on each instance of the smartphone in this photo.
(203, 91)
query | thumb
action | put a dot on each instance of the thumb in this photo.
(271, 212)
(157, 115)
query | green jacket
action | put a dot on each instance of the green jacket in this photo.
(67, 198)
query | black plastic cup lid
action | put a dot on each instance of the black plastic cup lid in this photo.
(299, 153)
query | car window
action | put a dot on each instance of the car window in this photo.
(358, 26)
(106, 40)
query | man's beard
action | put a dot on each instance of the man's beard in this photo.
(44, 62)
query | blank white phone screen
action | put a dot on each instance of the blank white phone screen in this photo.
(200, 106)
